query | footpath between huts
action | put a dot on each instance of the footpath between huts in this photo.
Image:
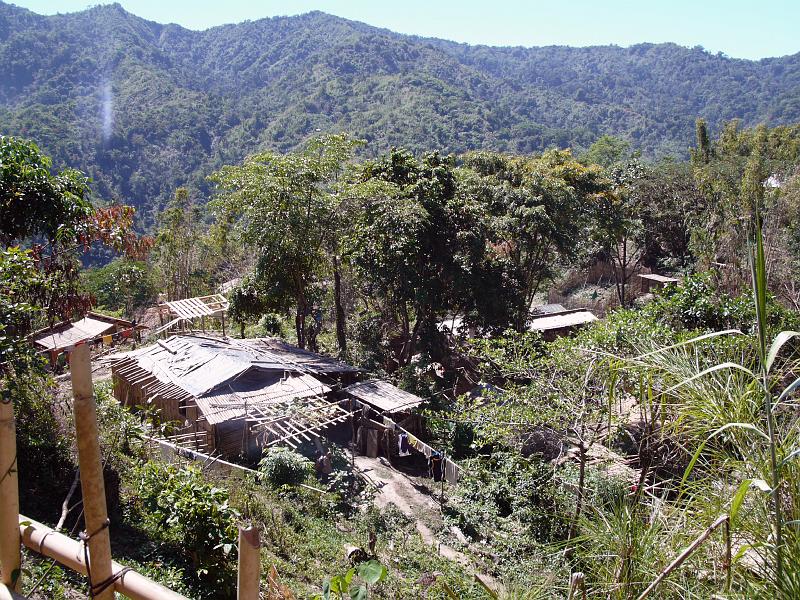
(414, 499)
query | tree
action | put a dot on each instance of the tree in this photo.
(738, 172)
(51, 215)
(121, 285)
(179, 246)
(540, 209)
(619, 230)
(290, 208)
(607, 151)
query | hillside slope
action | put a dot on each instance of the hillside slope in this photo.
(144, 107)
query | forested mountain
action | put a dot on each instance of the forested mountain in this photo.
(145, 107)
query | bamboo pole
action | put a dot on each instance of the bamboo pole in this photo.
(9, 499)
(96, 535)
(249, 575)
(68, 552)
(6, 593)
(684, 555)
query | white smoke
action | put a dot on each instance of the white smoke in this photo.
(107, 110)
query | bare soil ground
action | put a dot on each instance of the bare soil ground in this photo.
(414, 497)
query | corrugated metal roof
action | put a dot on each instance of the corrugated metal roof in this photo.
(266, 385)
(569, 318)
(659, 278)
(383, 395)
(69, 334)
(200, 364)
(548, 309)
(252, 394)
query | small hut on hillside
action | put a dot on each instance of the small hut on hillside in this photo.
(558, 323)
(234, 397)
(653, 281)
(93, 328)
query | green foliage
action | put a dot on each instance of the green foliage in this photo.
(282, 466)
(32, 200)
(180, 506)
(607, 151)
(122, 285)
(19, 280)
(510, 500)
(370, 572)
(697, 304)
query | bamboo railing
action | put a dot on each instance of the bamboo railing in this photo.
(91, 555)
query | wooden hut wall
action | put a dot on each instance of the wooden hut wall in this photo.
(231, 437)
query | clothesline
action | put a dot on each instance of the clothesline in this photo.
(450, 470)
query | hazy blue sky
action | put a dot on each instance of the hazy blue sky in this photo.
(739, 28)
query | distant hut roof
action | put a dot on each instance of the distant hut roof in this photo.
(548, 309)
(659, 278)
(68, 334)
(383, 396)
(561, 320)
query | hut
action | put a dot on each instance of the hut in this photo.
(233, 397)
(652, 281)
(558, 323)
(384, 414)
(93, 328)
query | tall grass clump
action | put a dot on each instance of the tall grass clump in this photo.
(731, 398)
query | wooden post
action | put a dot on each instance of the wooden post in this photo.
(9, 499)
(577, 583)
(249, 576)
(96, 535)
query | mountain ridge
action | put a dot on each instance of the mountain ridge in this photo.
(144, 106)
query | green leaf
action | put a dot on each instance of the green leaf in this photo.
(788, 390)
(359, 593)
(715, 368)
(337, 584)
(326, 589)
(777, 344)
(372, 572)
(790, 456)
(699, 451)
(348, 577)
(738, 497)
(694, 340)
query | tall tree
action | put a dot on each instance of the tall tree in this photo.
(179, 246)
(540, 208)
(290, 209)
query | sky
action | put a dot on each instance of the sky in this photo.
(739, 28)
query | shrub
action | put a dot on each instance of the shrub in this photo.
(178, 505)
(281, 466)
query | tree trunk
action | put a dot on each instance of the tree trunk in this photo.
(300, 326)
(341, 327)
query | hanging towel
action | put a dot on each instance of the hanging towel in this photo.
(451, 472)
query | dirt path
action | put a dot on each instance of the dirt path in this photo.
(414, 499)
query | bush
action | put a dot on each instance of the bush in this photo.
(178, 505)
(271, 324)
(281, 466)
